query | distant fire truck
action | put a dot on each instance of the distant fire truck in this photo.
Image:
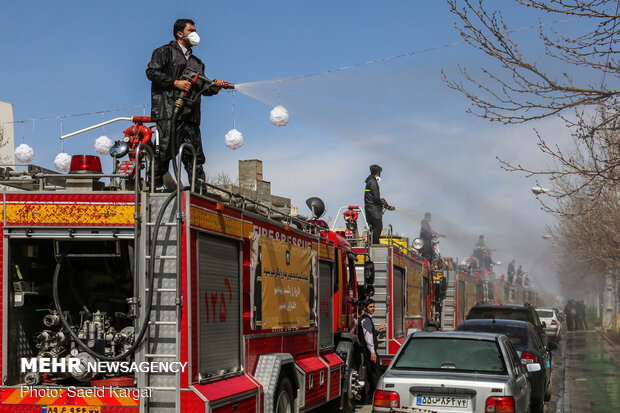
(117, 299)
(401, 282)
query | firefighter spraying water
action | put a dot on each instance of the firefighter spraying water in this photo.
(178, 82)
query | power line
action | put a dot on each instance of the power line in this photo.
(399, 56)
(61, 117)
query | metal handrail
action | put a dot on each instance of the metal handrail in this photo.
(39, 178)
(136, 215)
(179, 215)
(182, 148)
(269, 209)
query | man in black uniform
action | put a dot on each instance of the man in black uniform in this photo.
(374, 204)
(511, 271)
(519, 279)
(480, 251)
(165, 72)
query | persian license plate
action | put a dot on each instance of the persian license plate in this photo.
(59, 408)
(441, 401)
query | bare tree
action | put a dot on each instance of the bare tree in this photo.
(221, 179)
(589, 247)
(521, 90)
(524, 91)
(587, 170)
(4, 141)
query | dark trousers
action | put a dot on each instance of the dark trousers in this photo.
(427, 248)
(186, 132)
(377, 226)
(372, 375)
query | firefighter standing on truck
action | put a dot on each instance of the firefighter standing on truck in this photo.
(374, 204)
(165, 71)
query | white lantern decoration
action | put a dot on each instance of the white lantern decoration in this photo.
(24, 153)
(234, 139)
(62, 162)
(103, 145)
(279, 116)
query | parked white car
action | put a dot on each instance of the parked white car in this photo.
(553, 326)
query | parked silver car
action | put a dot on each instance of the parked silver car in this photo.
(455, 372)
(553, 326)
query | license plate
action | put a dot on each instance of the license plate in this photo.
(441, 401)
(59, 408)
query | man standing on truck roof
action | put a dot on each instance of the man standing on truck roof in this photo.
(426, 233)
(479, 251)
(374, 204)
(370, 338)
(511, 271)
(165, 71)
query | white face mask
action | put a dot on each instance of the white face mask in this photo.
(378, 178)
(193, 38)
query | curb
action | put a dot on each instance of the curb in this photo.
(564, 400)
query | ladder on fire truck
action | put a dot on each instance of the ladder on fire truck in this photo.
(448, 310)
(162, 340)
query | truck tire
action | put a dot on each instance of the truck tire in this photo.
(348, 400)
(283, 398)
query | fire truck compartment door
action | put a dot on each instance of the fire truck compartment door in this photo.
(326, 313)
(219, 313)
(398, 304)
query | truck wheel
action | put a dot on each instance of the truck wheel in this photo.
(348, 397)
(283, 398)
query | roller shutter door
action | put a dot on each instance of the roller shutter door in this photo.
(398, 301)
(219, 328)
(326, 313)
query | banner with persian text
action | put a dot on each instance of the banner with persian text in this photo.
(283, 284)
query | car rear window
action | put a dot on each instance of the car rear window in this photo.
(501, 314)
(517, 335)
(456, 354)
(545, 313)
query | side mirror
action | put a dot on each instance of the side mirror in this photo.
(532, 367)
(369, 273)
(552, 346)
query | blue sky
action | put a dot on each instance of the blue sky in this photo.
(70, 57)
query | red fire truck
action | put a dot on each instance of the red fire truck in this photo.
(199, 300)
(397, 278)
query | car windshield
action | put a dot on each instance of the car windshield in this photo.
(545, 313)
(457, 354)
(518, 335)
(499, 313)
